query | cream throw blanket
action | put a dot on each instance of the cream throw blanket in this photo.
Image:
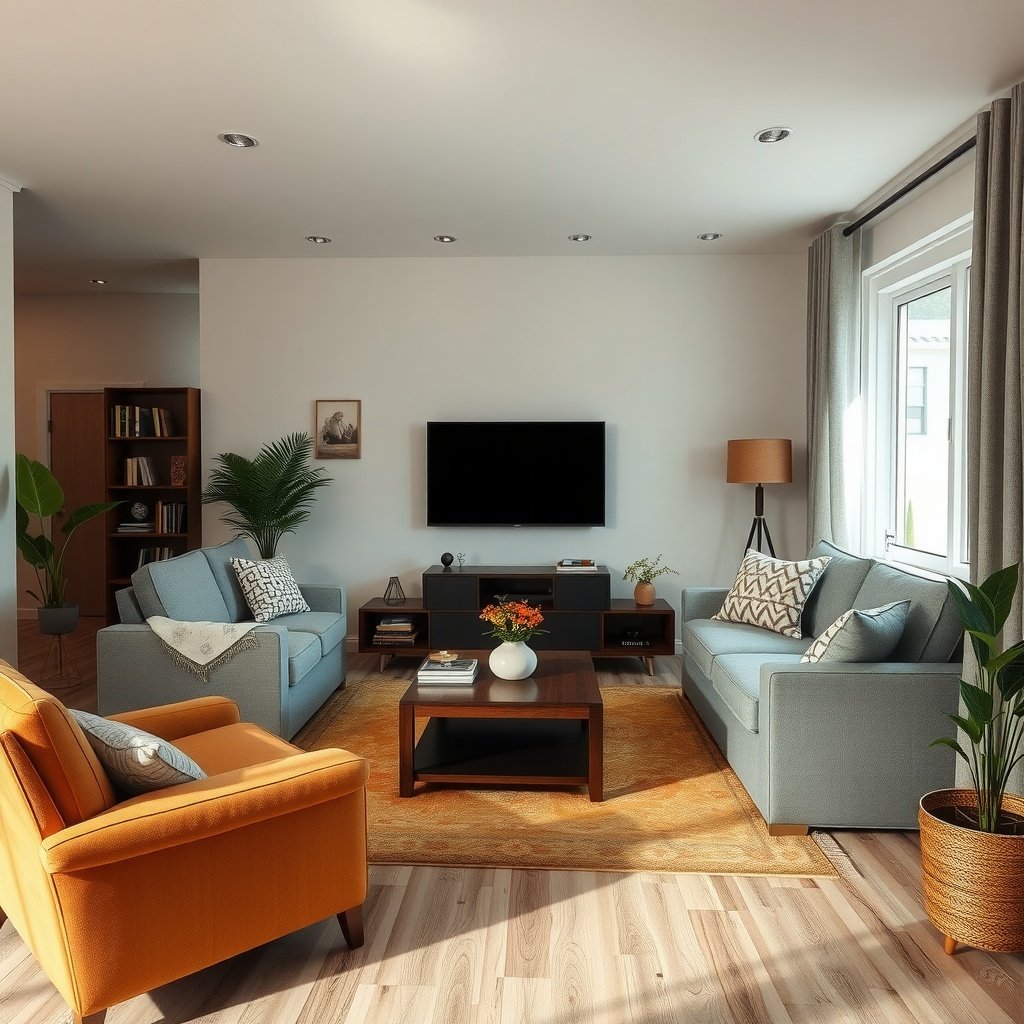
(199, 647)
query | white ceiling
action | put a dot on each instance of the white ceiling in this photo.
(509, 123)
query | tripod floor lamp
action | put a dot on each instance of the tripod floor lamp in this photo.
(760, 460)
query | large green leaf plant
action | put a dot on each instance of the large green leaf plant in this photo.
(994, 725)
(40, 496)
(270, 495)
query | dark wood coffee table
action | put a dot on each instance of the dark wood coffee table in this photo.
(546, 730)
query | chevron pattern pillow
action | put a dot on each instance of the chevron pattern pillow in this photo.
(136, 761)
(269, 587)
(771, 592)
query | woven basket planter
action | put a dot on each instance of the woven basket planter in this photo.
(973, 881)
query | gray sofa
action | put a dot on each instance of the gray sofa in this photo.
(829, 744)
(299, 663)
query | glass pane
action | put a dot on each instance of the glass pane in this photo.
(922, 420)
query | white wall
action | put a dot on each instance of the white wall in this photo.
(924, 211)
(677, 354)
(8, 550)
(68, 342)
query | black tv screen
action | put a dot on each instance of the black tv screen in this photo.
(515, 474)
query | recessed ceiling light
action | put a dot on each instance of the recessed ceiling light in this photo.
(445, 238)
(318, 239)
(579, 238)
(97, 280)
(237, 140)
(773, 134)
(710, 236)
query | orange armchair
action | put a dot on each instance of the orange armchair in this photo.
(115, 898)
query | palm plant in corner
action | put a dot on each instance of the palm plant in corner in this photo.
(270, 495)
(972, 840)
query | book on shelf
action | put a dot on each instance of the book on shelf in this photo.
(395, 639)
(139, 471)
(135, 527)
(170, 517)
(576, 565)
(140, 421)
(395, 624)
(147, 555)
(461, 672)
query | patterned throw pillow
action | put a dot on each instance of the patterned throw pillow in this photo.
(136, 761)
(269, 587)
(771, 593)
(868, 634)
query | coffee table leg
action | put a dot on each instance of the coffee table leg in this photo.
(595, 744)
(406, 749)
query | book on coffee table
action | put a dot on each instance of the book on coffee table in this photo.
(461, 672)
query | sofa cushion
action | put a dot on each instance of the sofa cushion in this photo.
(219, 558)
(240, 745)
(870, 634)
(771, 592)
(180, 588)
(303, 654)
(269, 587)
(737, 680)
(837, 589)
(328, 626)
(136, 761)
(706, 639)
(128, 610)
(933, 627)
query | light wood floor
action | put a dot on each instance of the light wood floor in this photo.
(449, 945)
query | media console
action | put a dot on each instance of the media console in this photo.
(579, 613)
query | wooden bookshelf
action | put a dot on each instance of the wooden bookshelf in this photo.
(123, 548)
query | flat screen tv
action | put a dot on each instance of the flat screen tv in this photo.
(515, 474)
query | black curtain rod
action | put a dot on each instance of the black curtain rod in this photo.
(964, 147)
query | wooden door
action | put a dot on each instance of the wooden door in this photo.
(77, 432)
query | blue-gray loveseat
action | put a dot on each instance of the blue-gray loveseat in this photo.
(298, 663)
(829, 744)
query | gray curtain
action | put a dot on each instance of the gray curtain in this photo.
(833, 380)
(995, 424)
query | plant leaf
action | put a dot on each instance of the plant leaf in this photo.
(970, 727)
(979, 702)
(1010, 656)
(36, 487)
(87, 512)
(947, 742)
(999, 588)
(31, 553)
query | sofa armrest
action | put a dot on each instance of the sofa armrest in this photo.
(323, 598)
(185, 718)
(702, 602)
(848, 744)
(135, 671)
(195, 811)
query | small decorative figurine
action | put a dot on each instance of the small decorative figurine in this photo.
(447, 559)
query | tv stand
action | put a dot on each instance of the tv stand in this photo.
(579, 613)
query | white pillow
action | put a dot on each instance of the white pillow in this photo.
(135, 760)
(771, 592)
(269, 587)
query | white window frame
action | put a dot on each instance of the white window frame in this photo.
(941, 259)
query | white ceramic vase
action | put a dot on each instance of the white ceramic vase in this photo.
(512, 660)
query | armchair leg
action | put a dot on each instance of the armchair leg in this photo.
(89, 1018)
(351, 922)
(788, 830)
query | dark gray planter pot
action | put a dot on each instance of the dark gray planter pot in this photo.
(58, 621)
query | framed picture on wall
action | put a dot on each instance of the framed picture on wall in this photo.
(337, 428)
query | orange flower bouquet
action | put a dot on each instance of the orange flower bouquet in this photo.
(512, 621)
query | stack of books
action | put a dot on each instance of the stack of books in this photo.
(136, 421)
(461, 672)
(135, 527)
(139, 471)
(395, 631)
(147, 555)
(170, 517)
(576, 565)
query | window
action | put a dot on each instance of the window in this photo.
(915, 374)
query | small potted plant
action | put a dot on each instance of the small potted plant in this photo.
(643, 573)
(270, 495)
(513, 623)
(39, 495)
(972, 840)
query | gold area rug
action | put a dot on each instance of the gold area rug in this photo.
(671, 801)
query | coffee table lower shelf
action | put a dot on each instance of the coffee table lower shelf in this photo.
(516, 752)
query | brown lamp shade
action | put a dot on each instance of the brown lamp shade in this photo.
(760, 460)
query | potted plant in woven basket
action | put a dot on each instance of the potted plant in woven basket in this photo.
(972, 840)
